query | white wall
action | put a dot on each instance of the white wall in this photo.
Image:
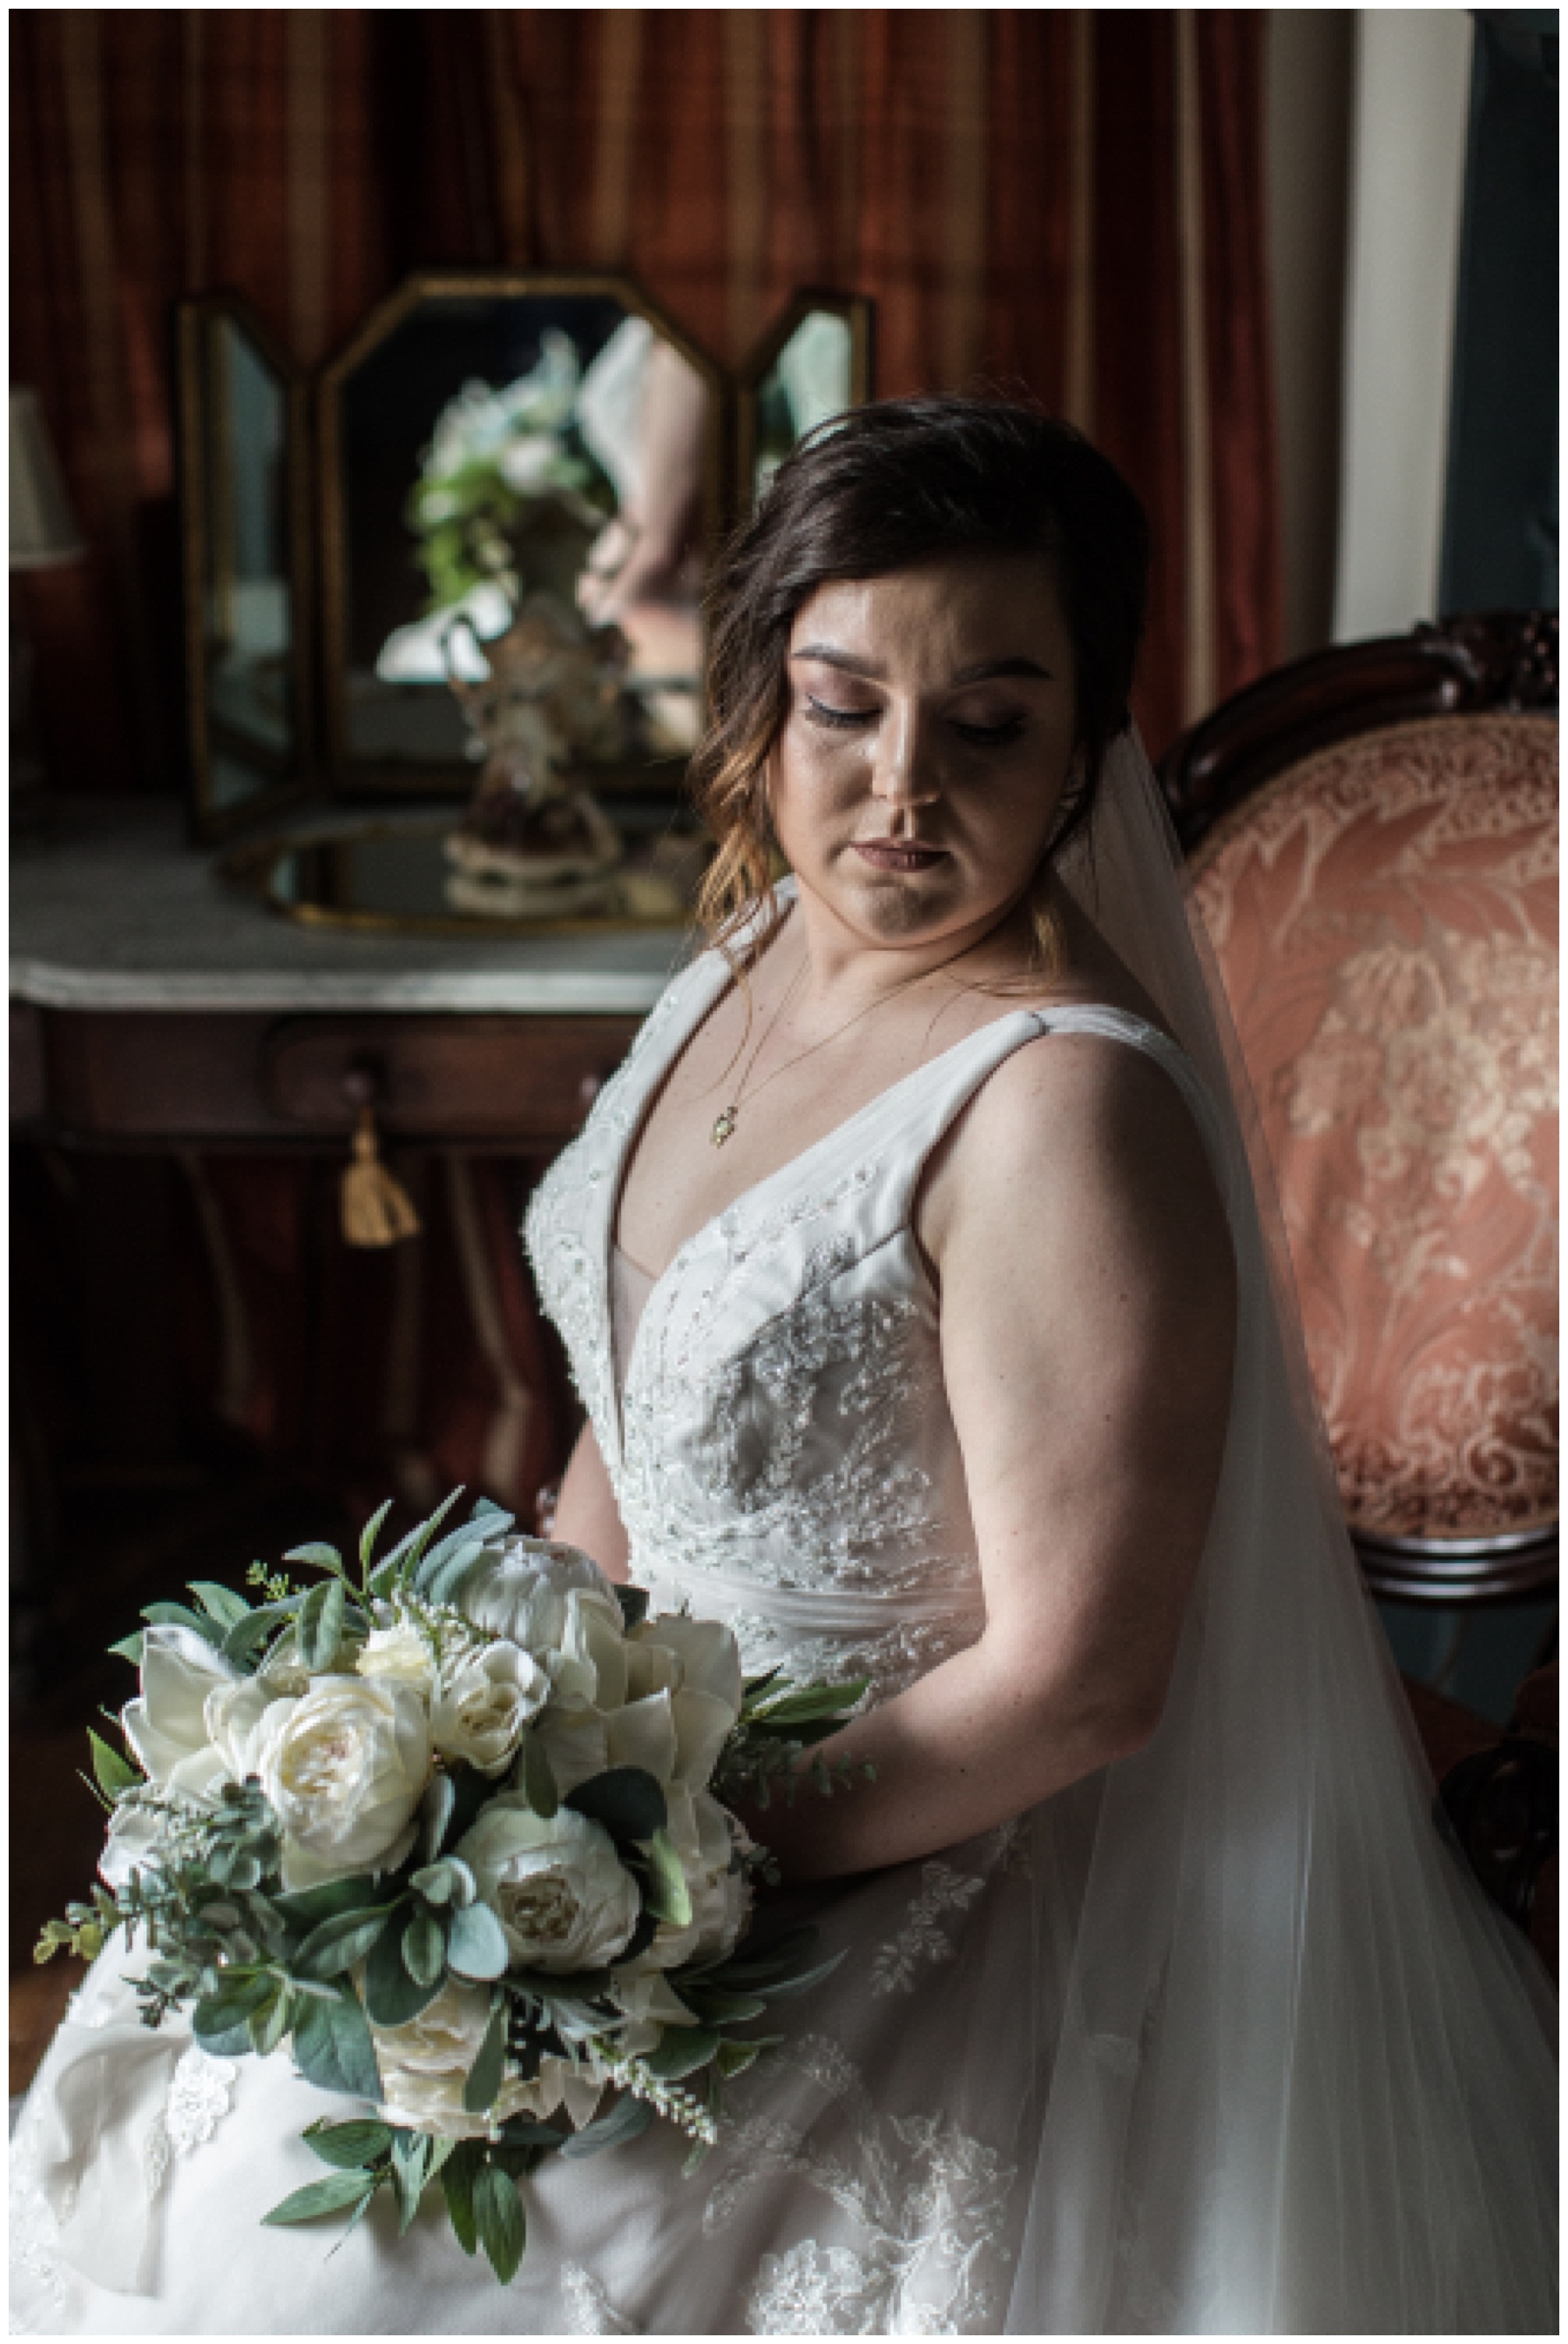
(1407, 170)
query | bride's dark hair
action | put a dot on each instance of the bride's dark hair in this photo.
(889, 485)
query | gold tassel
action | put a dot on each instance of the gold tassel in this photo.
(377, 1209)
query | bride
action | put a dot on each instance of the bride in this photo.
(916, 1286)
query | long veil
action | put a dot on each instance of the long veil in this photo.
(1303, 2078)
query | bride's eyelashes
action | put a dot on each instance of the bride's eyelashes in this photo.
(852, 720)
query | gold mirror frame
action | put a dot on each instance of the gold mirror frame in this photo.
(856, 311)
(203, 528)
(351, 775)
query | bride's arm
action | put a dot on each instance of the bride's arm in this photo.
(585, 1512)
(1088, 1314)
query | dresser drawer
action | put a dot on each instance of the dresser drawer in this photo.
(138, 1078)
(444, 1077)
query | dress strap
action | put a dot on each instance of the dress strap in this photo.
(953, 1080)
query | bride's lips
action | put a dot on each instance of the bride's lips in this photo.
(898, 854)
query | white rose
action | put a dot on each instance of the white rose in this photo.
(425, 2065)
(485, 1702)
(720, 1897)
(519, 1591)
(346, 1769)
(558, 1889)
(166, 1724)
(242, 1717)
(401, 1653)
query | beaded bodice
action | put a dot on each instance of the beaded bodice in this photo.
(782, 1452)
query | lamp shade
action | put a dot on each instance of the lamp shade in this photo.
(43, 527)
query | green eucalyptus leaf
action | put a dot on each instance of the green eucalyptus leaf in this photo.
(180, 1615)
(333, 2196)
(371, 1532)
(680, 2051)
(440, 1584)
(223, 1605)
(113, 1772)
(715, 2006)
(339, 1943)
(537, 1778)
(407, 1551)
(316, 1556)
(424, 1949)
(667, 1895)
(627, 1800)
(783, 1989)
(129, 1648)
(435, 1815)
(333, 2044)
(457, 2176)
(629, 2118)
(358, 2143)
(393, 1997)
(484, 2079)
(733, 2058)
(302, 1908)
(499, 2220)
(319, 1628)
(410, 2172)
(436, 1884)
(477, 1942)
(269, 2025)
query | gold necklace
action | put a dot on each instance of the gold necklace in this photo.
(725, 1121)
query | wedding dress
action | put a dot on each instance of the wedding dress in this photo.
(1224, 2039)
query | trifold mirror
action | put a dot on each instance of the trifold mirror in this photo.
(491, 548)
(247, 565)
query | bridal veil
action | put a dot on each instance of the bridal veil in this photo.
(1301, 2077)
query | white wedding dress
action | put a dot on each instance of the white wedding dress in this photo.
(1222, 2039)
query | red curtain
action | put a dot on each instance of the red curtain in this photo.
(1066, 200)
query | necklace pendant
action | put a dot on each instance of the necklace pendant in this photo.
(724, 1125)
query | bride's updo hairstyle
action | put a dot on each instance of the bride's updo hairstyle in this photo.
(886, 487)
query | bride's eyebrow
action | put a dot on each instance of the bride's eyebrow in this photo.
(983, 672)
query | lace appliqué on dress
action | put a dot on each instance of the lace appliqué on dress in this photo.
(928, 2203)
(922, 1939)
(589, 2311)
(201, 2093)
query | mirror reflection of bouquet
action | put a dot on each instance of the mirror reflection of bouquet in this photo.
(449, 1828)
(509, 493)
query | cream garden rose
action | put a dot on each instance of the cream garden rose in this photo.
(484, 1703)
(345, 1768)
(561, 1892)
(400, 1653)
(425, 2065)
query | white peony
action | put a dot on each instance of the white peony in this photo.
(166, 1724)
(558, 1889)
(346, 1768)
(425, 2065)
(676, 1737)
(519, 1589)
(484, 1703)
(400, 1653)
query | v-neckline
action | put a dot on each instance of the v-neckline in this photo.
(706, 1002)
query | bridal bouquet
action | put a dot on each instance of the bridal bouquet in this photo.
(450, 1829)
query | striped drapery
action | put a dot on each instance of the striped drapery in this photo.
(1068, 201)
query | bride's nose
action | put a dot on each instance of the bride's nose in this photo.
(904, 771)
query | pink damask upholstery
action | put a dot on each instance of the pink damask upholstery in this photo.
(1384, 917)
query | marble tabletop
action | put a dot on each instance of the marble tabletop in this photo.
(111, 908)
